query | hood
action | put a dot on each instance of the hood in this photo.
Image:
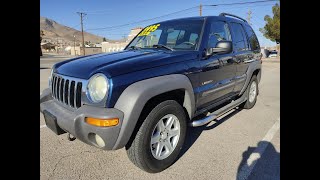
(114, 64)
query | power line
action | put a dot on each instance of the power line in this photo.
(110, 27)
(125, 28)
(100, 13)
(240, 3)
(145, 20)
(142, 24)
(193, 9)
(256, 21)
(89, 12)
(72, 27)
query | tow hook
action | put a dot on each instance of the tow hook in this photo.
(71, 137)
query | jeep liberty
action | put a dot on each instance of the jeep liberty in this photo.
(173, 74)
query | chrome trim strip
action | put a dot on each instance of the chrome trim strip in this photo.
(53, 81)
(218, 88)
(52, 85)
(72, 91)
(56, 87)
(249, 61)
(69, 97)
(214, 115)
(63, 89)
(60, 84)
(240, 79)
(75, 94)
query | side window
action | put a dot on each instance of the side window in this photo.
(253, 40)
(219, 31)
(193, 38)
(239, 38)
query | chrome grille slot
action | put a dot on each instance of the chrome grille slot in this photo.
(56, 88)
(72, 94)
(78, 98)
(61, 90)
(66, 90)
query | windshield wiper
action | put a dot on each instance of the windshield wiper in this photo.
(162, 46)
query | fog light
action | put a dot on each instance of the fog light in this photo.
(102, 122)
(99, 140)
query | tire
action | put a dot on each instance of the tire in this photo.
(140, 151)
(251, 101)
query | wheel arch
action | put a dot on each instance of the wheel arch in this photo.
(137, 96)
(253, 69)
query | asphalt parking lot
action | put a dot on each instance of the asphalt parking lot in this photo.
(244, 144)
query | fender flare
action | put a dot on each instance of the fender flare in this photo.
(252, 67)
(133, 99)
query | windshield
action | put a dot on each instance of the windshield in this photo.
(176, 35)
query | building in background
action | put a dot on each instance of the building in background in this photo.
(48, 46)
(119, 46)
(113, 46)
(133, 33)
(77, 51)
(106, 47)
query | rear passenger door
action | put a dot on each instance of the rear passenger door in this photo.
(242, 54)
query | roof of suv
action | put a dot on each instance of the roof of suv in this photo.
(207, 17)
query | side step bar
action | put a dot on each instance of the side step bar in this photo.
(214, 115)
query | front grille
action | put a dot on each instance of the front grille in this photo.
(66, 90)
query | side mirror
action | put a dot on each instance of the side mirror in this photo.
(222, 47)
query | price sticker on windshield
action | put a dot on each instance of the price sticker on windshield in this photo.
(149, 29)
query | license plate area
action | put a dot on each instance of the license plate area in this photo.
(51, 122)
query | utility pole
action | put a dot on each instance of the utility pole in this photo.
(249, 17)
(200, 9)
(57, 45)
(74, 44)
(124, 37)
(81, 19)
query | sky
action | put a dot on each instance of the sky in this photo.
(106, 13)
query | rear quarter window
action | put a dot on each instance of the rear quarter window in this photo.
(239, 38)
(253, 40)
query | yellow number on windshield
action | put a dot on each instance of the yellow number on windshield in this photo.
(149, 29)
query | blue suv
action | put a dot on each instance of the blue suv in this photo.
(173, 74)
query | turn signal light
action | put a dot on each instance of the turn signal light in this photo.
(102, 122)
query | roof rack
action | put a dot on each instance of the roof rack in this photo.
(227, 14)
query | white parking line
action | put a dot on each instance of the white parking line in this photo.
(42, 126)
(247, 168)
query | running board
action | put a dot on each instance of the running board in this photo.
(214, 115)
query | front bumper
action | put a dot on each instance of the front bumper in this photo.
(74, 123)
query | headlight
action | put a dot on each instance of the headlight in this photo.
(97, 88)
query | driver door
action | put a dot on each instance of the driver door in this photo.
(217, 71)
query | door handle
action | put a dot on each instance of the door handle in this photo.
(234, 60)
(231, 60)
